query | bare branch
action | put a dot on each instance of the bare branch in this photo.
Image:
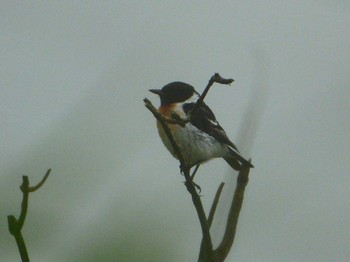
(216, 78)
(215, 204)
(15, 226)
(24, 207)
(34, 188)
(202, 256)
(231, 225)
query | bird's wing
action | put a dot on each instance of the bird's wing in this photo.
(204, 119)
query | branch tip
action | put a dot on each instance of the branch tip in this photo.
(217, 78)
(36, 187)
(215, 204)
(15, 225)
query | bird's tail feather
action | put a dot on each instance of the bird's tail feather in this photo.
(236, 161)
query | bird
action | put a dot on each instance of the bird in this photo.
(201, 138)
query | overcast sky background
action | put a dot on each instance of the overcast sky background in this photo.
(73, 76)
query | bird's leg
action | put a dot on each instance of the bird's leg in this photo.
(182, 170)
(195, 185)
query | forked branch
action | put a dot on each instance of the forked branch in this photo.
(16, 225)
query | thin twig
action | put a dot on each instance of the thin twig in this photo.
(24, 207)
(215, 204)
(216, 78)
(231, 225)
(36, 187)
(15, 226)
(201, 256)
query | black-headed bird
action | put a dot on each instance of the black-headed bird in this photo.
(202, 138)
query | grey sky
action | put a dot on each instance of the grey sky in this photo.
(73, 76)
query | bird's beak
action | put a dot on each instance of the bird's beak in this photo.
(156, 91)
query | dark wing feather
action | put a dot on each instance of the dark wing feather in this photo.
(204, 119)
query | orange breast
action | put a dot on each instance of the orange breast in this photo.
(166, 110)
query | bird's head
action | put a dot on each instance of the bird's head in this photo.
(175, 92)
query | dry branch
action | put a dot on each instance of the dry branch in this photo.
(16, 225)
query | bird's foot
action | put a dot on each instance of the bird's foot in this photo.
(198, 188)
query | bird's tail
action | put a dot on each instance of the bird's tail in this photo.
(236, 161)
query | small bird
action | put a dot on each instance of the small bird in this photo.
(202, 138)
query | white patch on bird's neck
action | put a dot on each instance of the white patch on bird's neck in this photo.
(178, 108)
(192, 99)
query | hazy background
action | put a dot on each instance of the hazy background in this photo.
(73, 76)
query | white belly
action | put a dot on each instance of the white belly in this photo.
(195, 145)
